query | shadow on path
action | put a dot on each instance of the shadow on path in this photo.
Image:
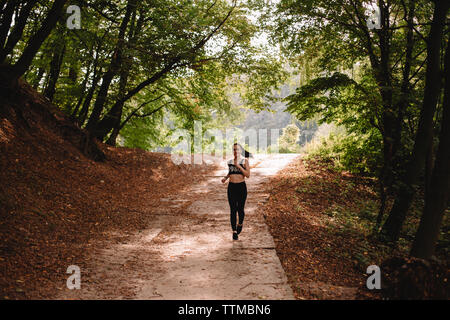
(192, 255)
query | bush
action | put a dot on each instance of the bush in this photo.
(351, 152)
(288, 142)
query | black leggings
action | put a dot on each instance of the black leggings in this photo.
(237, 194)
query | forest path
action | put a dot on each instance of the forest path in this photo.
(192, 255)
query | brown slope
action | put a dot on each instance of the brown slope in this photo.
(55, 201)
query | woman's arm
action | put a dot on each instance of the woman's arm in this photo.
(225, 178)
(246, 170)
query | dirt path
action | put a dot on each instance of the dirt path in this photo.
(188, 253)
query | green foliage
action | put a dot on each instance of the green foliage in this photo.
(211, 66)
(351, 152)
(310, 100)
(358, 223)
(288, 142)
(340, 63)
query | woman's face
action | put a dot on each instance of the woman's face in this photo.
(236, 150)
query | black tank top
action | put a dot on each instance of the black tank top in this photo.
(232, 169)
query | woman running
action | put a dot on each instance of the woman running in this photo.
(239, 168)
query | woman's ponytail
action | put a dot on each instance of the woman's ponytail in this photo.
(245, 153)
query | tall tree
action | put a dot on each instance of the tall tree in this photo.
(6, 18)
(184, 54)
(55, 65)
(113, 117)
(114, 67)
(392, 226)
(338, 34)
(437, 198)
(17, 31)
(35, 42)
(403, 101)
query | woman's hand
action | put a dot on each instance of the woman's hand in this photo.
(246, 172)
(224, 179)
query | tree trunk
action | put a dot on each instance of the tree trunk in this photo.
(35, 42)
(436, 201)
(114, 68)
(392, 226)
(405, 85)
(87, 102)
(55, 68)
(113, 118)
(383, 76)
(428, 166)
(114, 115)
(5, 22)
(81, 118)
(382, 205)
(113, 137)
(80, 99)
(17, 31)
